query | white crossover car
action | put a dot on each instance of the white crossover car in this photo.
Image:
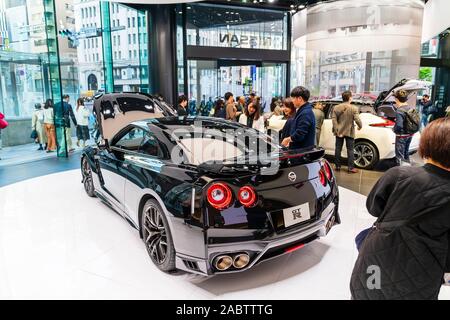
(376, 140)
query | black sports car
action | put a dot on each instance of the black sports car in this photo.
(207, 195)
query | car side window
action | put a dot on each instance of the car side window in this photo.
(150, 145)
(131, 140)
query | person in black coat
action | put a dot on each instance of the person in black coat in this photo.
(182, 104)
(303, 131)
(406, 253)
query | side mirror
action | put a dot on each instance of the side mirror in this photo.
(103, 144)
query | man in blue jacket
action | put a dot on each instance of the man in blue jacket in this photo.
(303, 131)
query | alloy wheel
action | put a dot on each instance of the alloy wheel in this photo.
(87, 178)
(155, 235)
(364, 155)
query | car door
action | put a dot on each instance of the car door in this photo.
(113, 166)
(327, 139)
(144, 170)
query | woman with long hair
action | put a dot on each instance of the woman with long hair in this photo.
(219, 109)
(288, 109)
(407, 251)
(252, 116)
(49, 125)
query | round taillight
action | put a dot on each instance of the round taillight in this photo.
(328, 172)
(323, 181)
(219, 195)
(247, 196)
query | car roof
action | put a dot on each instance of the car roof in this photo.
(336, 101)
(188, 121)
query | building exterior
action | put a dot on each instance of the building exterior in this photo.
(126, 46)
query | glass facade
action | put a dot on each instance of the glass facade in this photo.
(209, 81)
(236, 27)
(366, 48)
(77, 47)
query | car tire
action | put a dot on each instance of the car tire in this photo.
(157, 236)
(366, 155)
(86, 172)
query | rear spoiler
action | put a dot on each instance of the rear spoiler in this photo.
(284, 158)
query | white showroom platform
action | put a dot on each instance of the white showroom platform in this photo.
(57, 243)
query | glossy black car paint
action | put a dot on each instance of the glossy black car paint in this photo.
(181, 189)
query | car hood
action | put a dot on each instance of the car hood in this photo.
(115, 111)
(412, 86)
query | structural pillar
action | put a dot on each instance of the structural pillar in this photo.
(162, 34)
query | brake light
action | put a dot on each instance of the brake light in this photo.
(386, 123)
(323, 181)
(247, 196)
(219, 195)
(328, 172)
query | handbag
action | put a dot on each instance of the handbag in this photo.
(3, 122)
(34, 134)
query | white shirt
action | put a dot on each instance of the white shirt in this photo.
(82, 116)
(257, 124)
(48, 116)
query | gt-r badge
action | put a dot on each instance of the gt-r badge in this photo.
(292, 176)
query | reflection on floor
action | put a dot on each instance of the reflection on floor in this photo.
(28, 153)
(19, 172)
(363, 181)
(64, 245)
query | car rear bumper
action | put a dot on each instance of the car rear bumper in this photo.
(261, 250)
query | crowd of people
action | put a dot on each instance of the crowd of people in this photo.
(304, 122)
(43, 123)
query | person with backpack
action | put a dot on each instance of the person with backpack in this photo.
(406, 125)
(406, 254)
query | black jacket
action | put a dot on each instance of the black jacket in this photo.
(411, 242)
(303, 130)
(181, 111)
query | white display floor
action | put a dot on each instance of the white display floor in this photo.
(57, 243)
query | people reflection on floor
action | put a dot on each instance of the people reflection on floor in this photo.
(320, 117)
(252, 117)
(82, 115)
(37, 127)
(407, 252)
(49, 125)
(344, 117)
(182, 105)
(303, 132)
(403, 138)
(288, 110)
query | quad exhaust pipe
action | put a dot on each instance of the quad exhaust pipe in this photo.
(238, 261)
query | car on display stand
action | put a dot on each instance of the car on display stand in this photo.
(203, 201)
(376, 140)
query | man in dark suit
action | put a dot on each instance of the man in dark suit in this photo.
(64, 112)
(182, 104)
(303, 132)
